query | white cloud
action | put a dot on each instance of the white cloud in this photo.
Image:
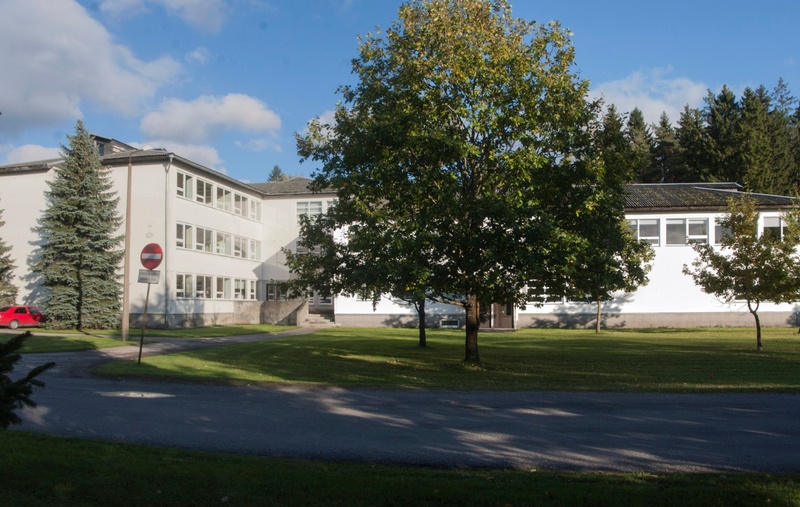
(206, 15)
(206, 117)
(199, 55)
(31, 153)
(653, 91)
(55, 57)
(199, 153)
(259, 145)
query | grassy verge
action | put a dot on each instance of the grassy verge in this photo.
(44, 342)
(679, 360)
(52, 340)
(42, 470)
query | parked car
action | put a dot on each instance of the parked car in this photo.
(16, 316)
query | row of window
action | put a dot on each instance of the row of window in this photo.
(205, 192)
(194, 286)
(191, 237)
(688, 231)
(277, 292)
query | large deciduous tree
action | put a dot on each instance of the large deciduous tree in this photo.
(80, 249)
(748, 267)
(467, 133)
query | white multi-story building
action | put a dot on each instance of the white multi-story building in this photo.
(223, 242)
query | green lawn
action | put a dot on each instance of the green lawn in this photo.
(53, 340)
(90, 473)
(42, 470)
(717, 359)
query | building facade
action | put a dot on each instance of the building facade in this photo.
(224, 242)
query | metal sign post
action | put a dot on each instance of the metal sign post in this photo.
(151, 258)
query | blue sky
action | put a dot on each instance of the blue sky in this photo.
(227, 83)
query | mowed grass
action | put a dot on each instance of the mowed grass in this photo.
(43, 470)
(679, 360)
(52, 340)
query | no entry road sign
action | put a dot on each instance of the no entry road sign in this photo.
(152, 255)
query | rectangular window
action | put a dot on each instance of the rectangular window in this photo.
(774, 227)
(720, 232)
(184, 185)
(239, 288)
(224, 243)
(255, 210)
(698, 230)
(240, 205)
(223, 288)
(308, 208)
(540, 291)
(183, 285)
(682, 231)
(205, 240)
(239, 247)
(223, 199)
(252, 292)
(676, 231)
(204, 192)
(276, 293)
(203, 287)
(183, 236)
(648, 229)
(255, 250)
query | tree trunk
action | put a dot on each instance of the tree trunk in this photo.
(599, 314)
(754, 311)
(472, 311)
(423, 339)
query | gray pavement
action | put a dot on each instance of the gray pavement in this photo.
(609, 432)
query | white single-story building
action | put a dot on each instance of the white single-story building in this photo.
(223, 243)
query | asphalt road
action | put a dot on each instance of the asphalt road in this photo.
(611, 432)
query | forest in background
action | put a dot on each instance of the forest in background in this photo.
(753, 140)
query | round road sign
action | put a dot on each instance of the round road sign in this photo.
(152, 255)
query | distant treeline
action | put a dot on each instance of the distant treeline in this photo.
(753, 140)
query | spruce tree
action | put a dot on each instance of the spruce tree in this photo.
(667, 163)
(758, 172)
(641, 141)
(694, 145)
(8, 291)
(723, 115)
(80, 249)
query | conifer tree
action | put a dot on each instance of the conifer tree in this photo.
(758, 174)
(722, 115)
(80, 250)
(694, 145)
(667, 163)
(8, 291)
(641, 141)
(16, 394)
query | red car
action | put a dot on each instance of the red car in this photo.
(16, 316)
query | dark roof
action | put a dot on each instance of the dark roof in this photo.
(666, 196)
(292, 186)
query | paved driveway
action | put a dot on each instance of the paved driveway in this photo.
(525, 430)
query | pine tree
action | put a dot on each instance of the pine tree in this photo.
(784, 140)
(667, 163)
(641, 141)
(722, 115)
(694, 145)
(80, 250)
(277, 174)
(8, 291)
(16, 394)
(754, 136)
